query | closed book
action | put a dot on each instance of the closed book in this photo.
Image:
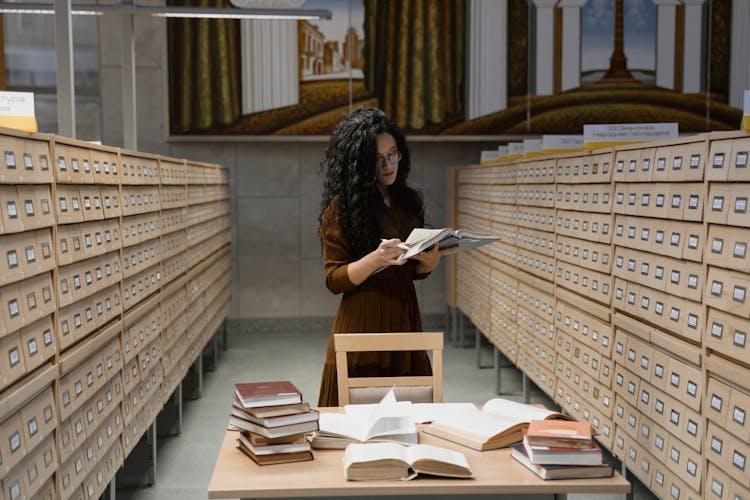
(278, 421)
(273, 432)
(301, 444)
(560, 471)
(276, 458)
(278, 392)
(551, 455)
(275, 410)
(561, 433)
(259, 440)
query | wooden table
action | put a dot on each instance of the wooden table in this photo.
(236, 476)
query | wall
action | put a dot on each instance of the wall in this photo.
(277, 269)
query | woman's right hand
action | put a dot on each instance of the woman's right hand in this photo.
(388, 253)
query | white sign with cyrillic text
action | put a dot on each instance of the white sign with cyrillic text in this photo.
(629, 132)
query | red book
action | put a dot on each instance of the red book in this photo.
(279, 392)
(560, 433)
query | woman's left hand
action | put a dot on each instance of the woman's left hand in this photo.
(429, 259)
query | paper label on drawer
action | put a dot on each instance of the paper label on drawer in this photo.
(717, 330)
(717, 488)
(740, 205)
(659, 442)
(12, 259)
(738, 459)
(659, 406)
(739, 415)
(739, 338)
(716, 445)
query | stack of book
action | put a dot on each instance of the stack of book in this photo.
(272, 419)
(558, 449)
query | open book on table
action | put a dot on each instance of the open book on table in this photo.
(498, 424)
(421, 239)
(389, 420)
(381, 461)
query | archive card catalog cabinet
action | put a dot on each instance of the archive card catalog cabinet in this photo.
(113, 277)
(620, 287)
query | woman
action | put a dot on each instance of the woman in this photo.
(367, 210)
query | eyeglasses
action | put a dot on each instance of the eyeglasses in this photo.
(391, 158)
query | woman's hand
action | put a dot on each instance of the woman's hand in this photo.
(387, 254)
(429, 259)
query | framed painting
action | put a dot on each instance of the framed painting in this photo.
(456, 67)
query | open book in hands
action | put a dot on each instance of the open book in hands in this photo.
(381, 461)
(498, 424)
(421, 239)
(389, 420)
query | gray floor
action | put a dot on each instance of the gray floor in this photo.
(185, 463)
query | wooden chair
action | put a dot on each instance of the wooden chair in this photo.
(418, 389)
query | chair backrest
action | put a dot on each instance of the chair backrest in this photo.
(420, 389)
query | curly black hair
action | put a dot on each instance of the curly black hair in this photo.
(349, 174)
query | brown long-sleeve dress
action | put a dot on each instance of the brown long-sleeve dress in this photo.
(384, 302)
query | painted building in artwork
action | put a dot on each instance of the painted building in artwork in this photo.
(333, 62)
(311, 49)
(354, 45)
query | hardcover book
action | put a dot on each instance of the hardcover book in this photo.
(421, 239)
(273, 411)
(389, 461)
(278, 421)
(553, 455)
(258, 440)
(300, 444)
(276, 458)
(255, 394)
(560, 471)
(273, 432)
(389, 420)
(560, 433)
(498, 424)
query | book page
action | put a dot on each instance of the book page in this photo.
(389, 417)
(429, 452)
(422, 234)
(473, 235)
(477, 425)
(519, 412)
(340, 424)
(369, 452)
(422, 238)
